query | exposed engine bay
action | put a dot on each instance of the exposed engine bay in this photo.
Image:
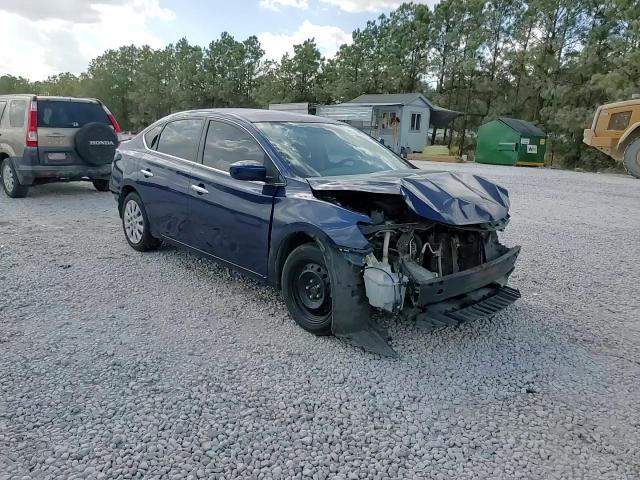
(411, 255)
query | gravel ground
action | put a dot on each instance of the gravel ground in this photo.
(116, 364)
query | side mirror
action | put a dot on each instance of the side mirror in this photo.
(248, 170)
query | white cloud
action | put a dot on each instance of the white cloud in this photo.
(276, 4)
(44, 44)
(353, 6)
(71, 10)
(328, 39)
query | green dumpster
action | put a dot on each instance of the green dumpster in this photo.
(510, 141)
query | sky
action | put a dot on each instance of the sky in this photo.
(47, 37)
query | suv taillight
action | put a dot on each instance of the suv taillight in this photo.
(32, 125)
(112, 119)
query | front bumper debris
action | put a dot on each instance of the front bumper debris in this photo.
(475, 293)
(429, 290)
(351, 312)
(482, 303)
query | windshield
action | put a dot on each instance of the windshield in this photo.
(326, 149)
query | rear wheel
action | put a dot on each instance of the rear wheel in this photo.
(101, 185)
(10, 181)
(136, 225)
(632, 158)
(306, 288)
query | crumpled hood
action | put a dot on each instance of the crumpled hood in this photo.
(444, 197)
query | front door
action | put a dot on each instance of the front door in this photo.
(230, 218)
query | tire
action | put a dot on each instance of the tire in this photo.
(96, 144)
(135, 225)
(306, 288)
(631, 159)
(101, 185)
(10, 181)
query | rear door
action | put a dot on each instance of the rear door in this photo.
(230, 218)
(163, 181)
(58, 122)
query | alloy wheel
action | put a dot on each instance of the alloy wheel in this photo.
(7, 178)
(133, 221)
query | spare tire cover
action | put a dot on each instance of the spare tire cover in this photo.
(96, 143)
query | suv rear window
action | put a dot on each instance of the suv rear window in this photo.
(61, 114)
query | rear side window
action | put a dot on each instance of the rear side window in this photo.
(61, 114)
(152, 136)
(226, 144)
(181, 138)
(17, 112)
(2, 107)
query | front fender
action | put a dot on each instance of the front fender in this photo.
(334, 224)
(329, 224)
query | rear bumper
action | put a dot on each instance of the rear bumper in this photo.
(433, 290)
(30, 171)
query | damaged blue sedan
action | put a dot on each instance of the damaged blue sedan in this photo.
(323, 212)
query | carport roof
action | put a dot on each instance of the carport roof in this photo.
(390, 99)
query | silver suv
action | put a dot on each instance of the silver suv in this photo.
(47, 139)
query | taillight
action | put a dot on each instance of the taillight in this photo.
(32, 125)
(112, 119)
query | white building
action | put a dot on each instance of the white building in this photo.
(400, 120)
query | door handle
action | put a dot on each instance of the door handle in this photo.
(199, 190)
(146, 173)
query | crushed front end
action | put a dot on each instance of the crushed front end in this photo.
(415, 266)
(438, 271)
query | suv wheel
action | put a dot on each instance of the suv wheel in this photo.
(10, 181)
(101, 185)
(306, 288)
(136, 225)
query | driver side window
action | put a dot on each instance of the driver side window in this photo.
(226, 144)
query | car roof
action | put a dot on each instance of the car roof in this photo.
(17, 95)
(67, 99)
(624, 103)
(49, 97)
(254, 115)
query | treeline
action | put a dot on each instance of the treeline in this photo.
(548, 61)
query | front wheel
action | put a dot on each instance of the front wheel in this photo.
(136, 225)
(632, 158)
(101, 185)
(306, 288)
(10, 181)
